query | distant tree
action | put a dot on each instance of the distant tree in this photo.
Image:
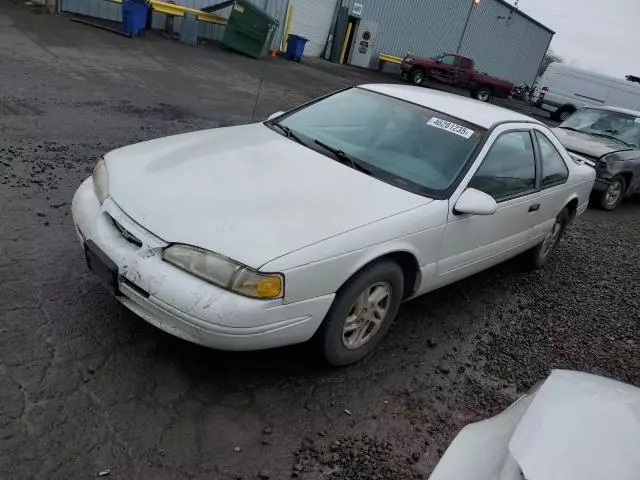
(548, 59)
(633, 78)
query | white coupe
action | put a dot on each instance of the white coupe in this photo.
(319, 222)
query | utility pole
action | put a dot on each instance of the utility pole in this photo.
(466, 24)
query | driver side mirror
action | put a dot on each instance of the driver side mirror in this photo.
(475, 202)
(274, 115)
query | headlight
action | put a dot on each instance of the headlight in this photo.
(224, 272)
(101, 180)
(407, 59)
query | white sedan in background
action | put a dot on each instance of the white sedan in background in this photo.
(574, 426)
(319, 222)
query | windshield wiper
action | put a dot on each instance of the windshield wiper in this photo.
(572, 129)
(606, 135)
(288, 132)
(343, 157)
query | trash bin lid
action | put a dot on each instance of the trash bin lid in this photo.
(298, 37)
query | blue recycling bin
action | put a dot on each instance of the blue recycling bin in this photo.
(134, 17)
(295, 47)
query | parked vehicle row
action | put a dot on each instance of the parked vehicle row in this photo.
(456, 70)
(318, 223)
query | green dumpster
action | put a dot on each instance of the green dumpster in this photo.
(249, 30)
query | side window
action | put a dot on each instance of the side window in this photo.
(465, 63)
(448, 60)
(554, 170)
(509, 169)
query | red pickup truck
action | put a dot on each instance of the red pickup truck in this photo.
(458, 71)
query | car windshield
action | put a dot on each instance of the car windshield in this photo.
(617, 126)
(407, 145)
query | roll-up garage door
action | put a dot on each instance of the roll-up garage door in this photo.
(312, 19)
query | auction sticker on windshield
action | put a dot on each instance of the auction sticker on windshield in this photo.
(450, 127)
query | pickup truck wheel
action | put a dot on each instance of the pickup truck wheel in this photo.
(417, 75)
(612, 196)
(483, 94)
(361, 314)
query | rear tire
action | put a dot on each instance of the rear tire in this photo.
(361, 313)
(540, 255)
(417, 76)
(483, 94)
(612, 197)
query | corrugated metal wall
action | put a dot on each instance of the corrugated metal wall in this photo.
(112, 11)
(511, 47)
(504, 43)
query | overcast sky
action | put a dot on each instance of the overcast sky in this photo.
(601, 35)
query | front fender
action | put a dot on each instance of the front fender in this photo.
(323, 268)
(625, 163)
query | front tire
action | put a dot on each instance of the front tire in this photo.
(417, 76)
(361, 314)
(540, 255)
(612, 197)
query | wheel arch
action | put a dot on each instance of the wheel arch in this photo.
(407, 261)
(572, 206)
(628, 178)
(485, 85)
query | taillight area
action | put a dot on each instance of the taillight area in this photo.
(543, 92)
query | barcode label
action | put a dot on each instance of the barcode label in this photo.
(450, 127)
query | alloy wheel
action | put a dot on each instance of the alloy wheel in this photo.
(483, 96)
(366, 315)
(552, 238)
(614, 192)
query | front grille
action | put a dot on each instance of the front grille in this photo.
(126, 234)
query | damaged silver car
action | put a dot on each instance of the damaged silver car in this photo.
(610, 137)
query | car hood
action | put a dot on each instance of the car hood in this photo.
(246, 192)
(580, 427)
(587, 144)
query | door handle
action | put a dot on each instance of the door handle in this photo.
(534, 208)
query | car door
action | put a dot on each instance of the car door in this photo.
(555, 192)
(445, 70)
(463, 72)
(507, 170)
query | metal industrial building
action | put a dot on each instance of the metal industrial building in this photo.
(501, 39)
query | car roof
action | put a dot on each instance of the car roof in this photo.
(626, 111)
(481, 114)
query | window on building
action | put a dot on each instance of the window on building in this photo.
(554, 170)
(509, 169)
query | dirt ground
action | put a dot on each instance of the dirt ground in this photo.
(88, 387)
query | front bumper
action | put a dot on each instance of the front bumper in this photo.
(179, 303)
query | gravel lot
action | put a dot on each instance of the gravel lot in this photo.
(87, 387)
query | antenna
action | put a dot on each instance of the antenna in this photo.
(255, 105)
